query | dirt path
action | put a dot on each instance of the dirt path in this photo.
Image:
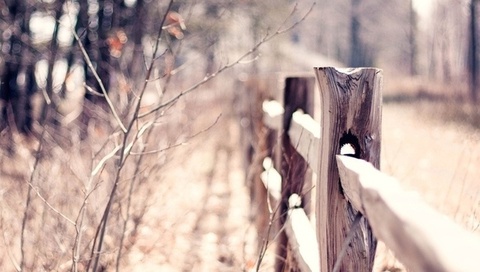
(199, 222)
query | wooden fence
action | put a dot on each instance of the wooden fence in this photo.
(320, 151)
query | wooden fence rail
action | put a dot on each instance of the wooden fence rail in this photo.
(423, 239)
(354, 203)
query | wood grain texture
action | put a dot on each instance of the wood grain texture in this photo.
(302, 240)
(304, 134)
(297, 94)
(422, 238)
(351, 112)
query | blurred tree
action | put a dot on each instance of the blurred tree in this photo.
(367, 32)
(472, 51)
(136, 38)
(446, 41)
(212, 12)
(412, 39)
(98, 26)
(57, 9)
(117, 36)
(101, 26)
(359, 53)
(17, 71)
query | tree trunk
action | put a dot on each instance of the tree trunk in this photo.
(355, 47)
(53, 49)
(412, 40)
(18, 70)
(472, 51)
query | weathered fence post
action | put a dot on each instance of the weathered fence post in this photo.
(257, 143)
(297, 94)
(351, 114)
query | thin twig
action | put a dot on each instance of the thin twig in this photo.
(50, 205)
(266, 238)
(101, 230)
(178, 144)
(100, 83)
(29, 197)
(79, 227)
(222, 69)
(102, 162)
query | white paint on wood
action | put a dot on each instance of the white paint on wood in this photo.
(271, 179)
(273, 114)
(304, 135)
(294, 201)
(267, 163)
(422, 238)
(302, 239)
(300, 232)
(347, 149)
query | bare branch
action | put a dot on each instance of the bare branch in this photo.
(178, 144)
(207, 78)
(50, 205)
(128, 149)
(104, 160)
(92, 91)
(100, 83)
(102, 227)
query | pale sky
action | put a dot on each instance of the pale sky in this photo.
(423, 8)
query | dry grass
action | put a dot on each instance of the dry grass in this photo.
(430, 143)
(189, 207)
(179, 196)
(55, 191)
(446, 102)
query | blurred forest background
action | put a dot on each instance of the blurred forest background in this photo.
(96, 93)
(41, 63)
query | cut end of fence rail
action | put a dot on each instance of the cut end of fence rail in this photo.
(271, 179)
(304, 135)
(273, 114)
(301, 237)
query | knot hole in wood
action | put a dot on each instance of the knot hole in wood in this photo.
(349, 145)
